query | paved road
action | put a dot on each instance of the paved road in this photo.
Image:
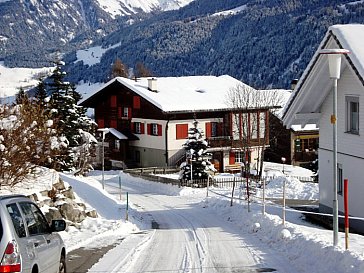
(81, 260)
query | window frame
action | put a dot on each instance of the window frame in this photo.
(138, 127)
(350, 127)
(154, 129)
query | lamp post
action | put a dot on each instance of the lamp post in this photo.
(334, 59)
(104, 132)
(283, 159)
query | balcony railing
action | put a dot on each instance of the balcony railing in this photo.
(220, 141)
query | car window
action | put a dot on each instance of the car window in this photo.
(17, 220)
(35, 220)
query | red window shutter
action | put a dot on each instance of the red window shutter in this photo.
(113, 123)
(136, 102)
(101, 123)
(113, 102)
(159, 126)
(231, 157)
(149, 129)
(132, 127)
(181, 131)
(220, 127)
(208, 129)
(142, 128)
(129, 113)
(120, 112)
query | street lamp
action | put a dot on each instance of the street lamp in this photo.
(334, 58)
(283, 161)
(104, 132)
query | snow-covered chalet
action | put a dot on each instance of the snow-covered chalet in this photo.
(149, 120)
(312, 102)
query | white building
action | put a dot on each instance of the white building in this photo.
(312, 102)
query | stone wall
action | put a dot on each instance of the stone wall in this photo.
(60, 203)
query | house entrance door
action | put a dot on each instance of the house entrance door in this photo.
(217, 160)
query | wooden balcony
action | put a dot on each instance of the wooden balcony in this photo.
(305, 156)
(220, 141)
(228, 141)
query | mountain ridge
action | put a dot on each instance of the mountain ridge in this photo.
(262, 43)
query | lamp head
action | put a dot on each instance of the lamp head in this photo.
(334, 58)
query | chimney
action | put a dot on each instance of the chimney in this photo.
(152, 85)
(294, 83)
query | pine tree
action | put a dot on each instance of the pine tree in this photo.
(21, 97)
(196, 155)
(71, 120)
(41, 92)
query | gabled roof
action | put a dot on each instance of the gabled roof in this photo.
(184, 94)
(315, 83)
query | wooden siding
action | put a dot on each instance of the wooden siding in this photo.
(348, 143)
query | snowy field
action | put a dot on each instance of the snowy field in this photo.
(306, 246)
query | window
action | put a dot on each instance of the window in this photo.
(352, 114)
(35, 220)
(214, 126)
(117, 144)
(239, 157)
(154, 129)
(137, 128)
(181, 131)
(262, 125)
(125, 112)
(253, 125)
(340, 179)
(16, 219)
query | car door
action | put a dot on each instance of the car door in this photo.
(26, 251)
(40, 237)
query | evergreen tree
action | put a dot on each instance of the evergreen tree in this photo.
(21, 97)
(197, 157)
(71, 120)
(41, 92)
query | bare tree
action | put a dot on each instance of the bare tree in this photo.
(119, 69)
(250, 117)
(142, 71)
(25, 141)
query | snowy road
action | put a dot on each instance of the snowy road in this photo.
(185, 237)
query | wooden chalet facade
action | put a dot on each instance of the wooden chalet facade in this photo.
(153, 116)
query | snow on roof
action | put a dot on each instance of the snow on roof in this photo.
(185, 93)
(196, 93)
(351, 37)
(116, 133)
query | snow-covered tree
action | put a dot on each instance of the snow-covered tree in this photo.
(70, 119)
(197, 157)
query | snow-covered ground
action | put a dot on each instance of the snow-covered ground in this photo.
(297, 246)
(308, 247)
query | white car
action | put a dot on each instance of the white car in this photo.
(27, 242)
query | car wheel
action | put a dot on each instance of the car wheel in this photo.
(62, 265)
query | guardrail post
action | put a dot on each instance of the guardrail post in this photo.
(346, 207)
(127, 207)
